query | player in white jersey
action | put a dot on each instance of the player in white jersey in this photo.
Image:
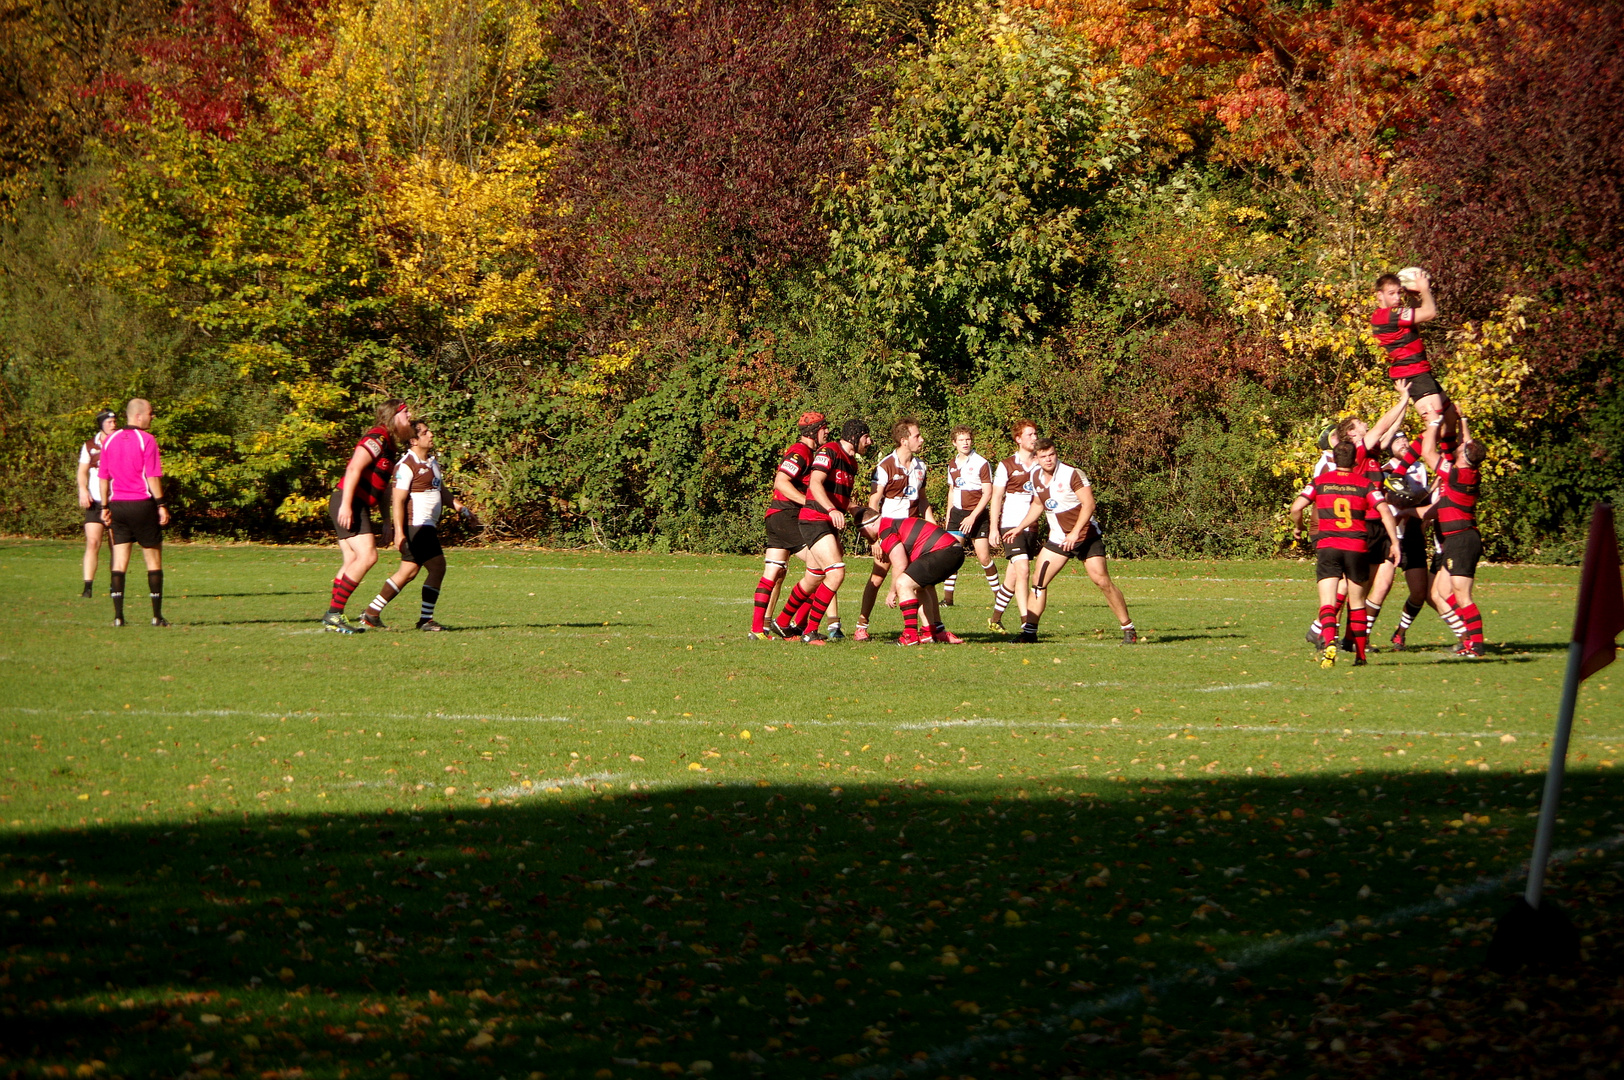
(416, 503)
(899, 492)
(1011, 498)
(969, 497)
(1065, 496)
(90, 495)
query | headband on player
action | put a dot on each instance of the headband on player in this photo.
(104, 416)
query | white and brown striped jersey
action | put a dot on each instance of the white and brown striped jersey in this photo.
(423, 481)
(967, 478)
(1015, 477)
(1062, 495)
(90, 454)
(901, 487)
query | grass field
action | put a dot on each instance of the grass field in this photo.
(596, 832)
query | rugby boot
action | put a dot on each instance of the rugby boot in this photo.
(1025, 637)
(159, 620)
(1130, 636)
(836, 634)
(1360, 661)
(118, 622)
(89, 590)
(1480, 648)
(814, 639)
(1347, 643)
(749, 634)
(335, 622)
(371, 621)
(996, 627)
(909, 637)
(1397, 641)
(861, 633)
(947, 599)
(948, 637)
(1328, 656)
(431, 625)
(1313, 636)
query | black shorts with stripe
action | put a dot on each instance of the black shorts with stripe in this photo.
(1377, 545)
(784, 531)
(1425, 385)
(135, 521)
(955, 523)
(1027, 543)
(1332, 562)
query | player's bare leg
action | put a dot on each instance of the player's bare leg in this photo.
(1443, 601)
(1016, 580)
(1042, 574)
(871, 593)
(1415, 579)
(431, 593)
(94, 532)
(1100, 574)
(1314, 628)
(774, 566)
(1472, 644)
(372, 617)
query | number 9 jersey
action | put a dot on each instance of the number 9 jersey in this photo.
(1341, 501)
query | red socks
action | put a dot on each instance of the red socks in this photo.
(910, 616)
(819, 604)
(342, 587)
(1359, 625)
(764, 595)
(1328, 623)
(1473, 619)
(792, 607)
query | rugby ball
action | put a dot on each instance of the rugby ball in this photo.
(1410, 277)
(1403, 496)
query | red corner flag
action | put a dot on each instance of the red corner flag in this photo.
(1600, 616)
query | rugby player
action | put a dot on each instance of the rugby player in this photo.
(1011, 499)
(969, 487)
(783, 524)
(1341, 497)
(130, 472)
(1064, 494)
(923, 554)
(828, 494)
(418, 500)
(90, 495)
(1394, 324)
(367, 476)
(899, 492)
(1455, 512)
(1409, 482)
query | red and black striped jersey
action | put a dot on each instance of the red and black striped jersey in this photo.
(839, 471)
(1396, 331)
(797, 465)
(1457, 497)
(374, 485)
(1341, 501)
(917, 536)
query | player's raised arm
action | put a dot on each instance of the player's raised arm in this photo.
(1389, 419)
(1429, 443)
(1429, 306)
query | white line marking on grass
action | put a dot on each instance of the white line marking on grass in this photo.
(948, 1056)
(1232, 686)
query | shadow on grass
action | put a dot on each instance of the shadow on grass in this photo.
(803, 931)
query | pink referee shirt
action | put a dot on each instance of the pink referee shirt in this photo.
(128, 458)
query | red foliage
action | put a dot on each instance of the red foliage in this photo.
(214, 61)
(1518, 185)
(711, 124)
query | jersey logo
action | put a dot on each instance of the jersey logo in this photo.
(1051, 504)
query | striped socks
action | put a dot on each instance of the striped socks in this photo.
(818, 604)
(342, 587)
(764, 595)
(1407, 616)
(1327, 624)
(991, 571)
(1359, 625)
(910, 616)
(386, 594)
(1000, 600)
(431, 596)
(792, 607)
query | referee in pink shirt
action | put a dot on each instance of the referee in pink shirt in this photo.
(132, 498)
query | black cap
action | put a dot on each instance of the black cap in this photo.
(852, 430)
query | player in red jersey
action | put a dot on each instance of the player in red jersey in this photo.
(1395, 323)
(1341, 497)
(1065, 495)
(828, 494)
(899, 492)
(783, 520)
(365, 487)
(1455, 512)
(923, 554)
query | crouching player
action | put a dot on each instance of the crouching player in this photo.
(1067, 497)
(921, 555)
(1341, 498)
(418, 501)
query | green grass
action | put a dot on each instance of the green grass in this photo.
(360, 854)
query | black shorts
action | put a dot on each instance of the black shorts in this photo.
(1424, 385)
(360, 521)
(955, 523)
(1462, 550)
(784, 531)
(1412, 546)
(1091, 546)
(93, 514)
(1437, 561)
(813, 531)
(423, 541)
(1335, 563)
(936, 566)
(1378, 546)
(135, 521)
(1027, 543)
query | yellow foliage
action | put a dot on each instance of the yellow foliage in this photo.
(603, 367)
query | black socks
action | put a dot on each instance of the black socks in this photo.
(118, 595)
(155, 586)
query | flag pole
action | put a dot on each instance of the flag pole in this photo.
(1546, 829)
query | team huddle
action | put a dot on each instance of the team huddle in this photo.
(1373, 494)
(812, 495)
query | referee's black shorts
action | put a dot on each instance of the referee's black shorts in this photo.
(135, 521)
